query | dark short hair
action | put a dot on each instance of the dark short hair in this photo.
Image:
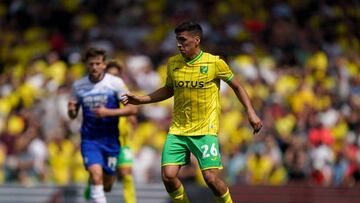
(94, 52)
(114, 64)
(189, 26)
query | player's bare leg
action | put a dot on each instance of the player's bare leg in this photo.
(97, 194)
(172, 183)
(108, 181)
(169, 177)
(213, 179)
(124, 171)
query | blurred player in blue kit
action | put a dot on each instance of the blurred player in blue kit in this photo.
(99, 96)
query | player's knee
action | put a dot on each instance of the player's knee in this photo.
(122, 172)
(168, 176)
(95, 172)
(210, 178)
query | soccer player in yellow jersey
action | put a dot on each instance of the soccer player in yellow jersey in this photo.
(193, 78)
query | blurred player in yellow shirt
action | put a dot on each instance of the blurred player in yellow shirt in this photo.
(125, 159)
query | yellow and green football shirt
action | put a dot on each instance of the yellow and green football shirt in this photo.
(196, 85)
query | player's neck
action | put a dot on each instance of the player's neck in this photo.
(196, 54)
(94, 79)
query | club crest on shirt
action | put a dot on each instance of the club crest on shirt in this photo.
(204, 69)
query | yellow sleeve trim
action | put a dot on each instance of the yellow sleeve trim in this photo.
(229, 78)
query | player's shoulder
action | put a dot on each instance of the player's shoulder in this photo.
(210, 57)
(113, 78)
(110, 77)
(114, 81)
(82, 81)
(205, 56)
(176, 59)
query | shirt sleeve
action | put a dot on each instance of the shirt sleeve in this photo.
(223, 71)
(121, 89)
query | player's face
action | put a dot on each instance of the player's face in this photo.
(114, 71)
(96, 67)
(188, 44)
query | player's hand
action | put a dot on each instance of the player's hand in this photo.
(255, 122)
(101, 111)
(72, 105)
(72, 109)
(130, 98)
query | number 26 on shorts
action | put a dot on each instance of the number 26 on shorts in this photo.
(207, 153)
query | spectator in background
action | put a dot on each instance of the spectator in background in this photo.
(258, 165)
(2, 161)
(61, 152)
(296, 160)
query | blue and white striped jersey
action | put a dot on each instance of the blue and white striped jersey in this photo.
(88, 95)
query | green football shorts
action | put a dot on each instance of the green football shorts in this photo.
(205, 148)
(125, 157)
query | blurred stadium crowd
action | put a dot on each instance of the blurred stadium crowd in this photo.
(299, 62)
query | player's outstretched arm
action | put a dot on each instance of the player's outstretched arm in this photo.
(245, 100)
(127, 110)
(73, 109)
(157, 96)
